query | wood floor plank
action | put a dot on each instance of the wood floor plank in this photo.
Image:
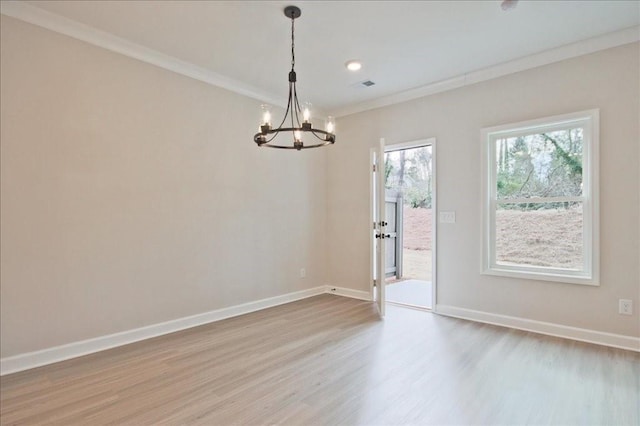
(331, 360)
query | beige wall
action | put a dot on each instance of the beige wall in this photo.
(608, 80)
(132, 196)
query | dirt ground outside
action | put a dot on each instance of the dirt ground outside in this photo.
(551, 237)
(416, 264)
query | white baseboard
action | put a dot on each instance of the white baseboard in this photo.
(590, 336)
(348, 292)
(39, 358)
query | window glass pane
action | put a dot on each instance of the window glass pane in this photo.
(544, 164)
(540, 234)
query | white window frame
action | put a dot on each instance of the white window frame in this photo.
(590, 273)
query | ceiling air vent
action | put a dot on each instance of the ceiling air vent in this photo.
(367, 83)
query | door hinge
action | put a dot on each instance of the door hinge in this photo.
(374, 167)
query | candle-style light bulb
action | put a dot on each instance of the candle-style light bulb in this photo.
(266, 115)
(330, 125)
(297, 135)
(306, 112)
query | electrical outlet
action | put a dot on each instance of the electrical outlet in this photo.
(625, 307)
(447, 217)
(303, 273)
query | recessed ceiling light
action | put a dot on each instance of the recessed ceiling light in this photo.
(509, 5)
(353, 65)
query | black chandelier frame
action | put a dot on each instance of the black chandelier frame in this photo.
(267, 134)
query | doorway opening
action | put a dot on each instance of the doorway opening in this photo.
(409, 205)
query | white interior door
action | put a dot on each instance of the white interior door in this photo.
(379, 224)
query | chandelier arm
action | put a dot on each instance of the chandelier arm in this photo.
(273, 137)
(294, 110)
(292, 86)
(287, 111)
(324, 134)
(296, 105)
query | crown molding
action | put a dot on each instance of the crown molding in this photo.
(77, 30)
(584, 47)
(51, 21)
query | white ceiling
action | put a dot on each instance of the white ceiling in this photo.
(403, 45)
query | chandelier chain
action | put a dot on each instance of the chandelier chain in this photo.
(293, 53)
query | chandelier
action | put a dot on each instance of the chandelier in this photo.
(267, 134)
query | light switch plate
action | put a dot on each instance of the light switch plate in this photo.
(447, 217)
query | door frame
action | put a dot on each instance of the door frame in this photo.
(434, 220)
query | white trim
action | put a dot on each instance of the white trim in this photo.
(550, 329)
(59, 24)
(589, 273)
(376, 217)
(51, 21)
(381, 207)
(434, 225)
(401, 146)
(372, 222)
(348, 292)
(544, 274)
(584, 47)
(555, 122)
(39, 358)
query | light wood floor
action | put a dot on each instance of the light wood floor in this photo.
(330, 360)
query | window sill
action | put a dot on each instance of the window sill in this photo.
(542, 276)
